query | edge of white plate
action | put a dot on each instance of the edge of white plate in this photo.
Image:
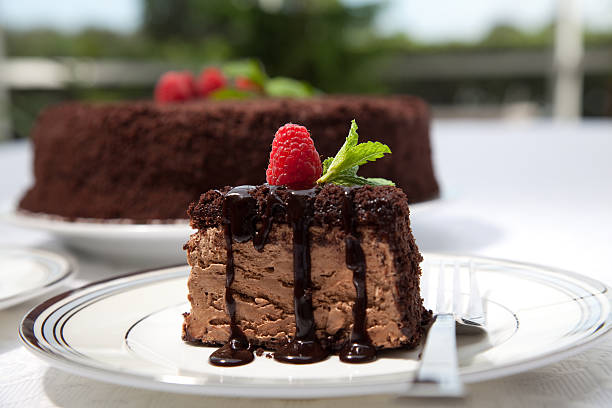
(111, 228)
(70, 268)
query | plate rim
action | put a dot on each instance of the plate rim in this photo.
(90, 226)
(68, 268)
(300, 390)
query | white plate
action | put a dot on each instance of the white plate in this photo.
(26, 273)
(119, 240)
(153, 243)
(127, 331)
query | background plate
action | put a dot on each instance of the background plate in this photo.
(26, 273)
(154, 242)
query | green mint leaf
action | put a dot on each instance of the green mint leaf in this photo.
(348, 181)
(250, 68)
(377, 181)
(352, 171)
(326, 163)
(363, 153)
(288, 88)
(349, 143)
(351, 155)
(354, 180)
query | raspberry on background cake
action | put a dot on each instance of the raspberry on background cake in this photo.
(175, 87)
(210, 80)
(246, 84)
(331, 267)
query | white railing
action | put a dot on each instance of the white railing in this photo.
(58, 73)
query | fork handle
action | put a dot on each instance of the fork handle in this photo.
(438, 373)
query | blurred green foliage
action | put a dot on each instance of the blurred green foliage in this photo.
(326, 43)
(304, 39)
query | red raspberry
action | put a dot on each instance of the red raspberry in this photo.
(175, 86)
(294, 161)
(210, 80)
(245, 84)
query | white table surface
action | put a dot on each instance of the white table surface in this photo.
(538, 192)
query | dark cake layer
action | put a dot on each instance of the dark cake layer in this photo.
(142, 160)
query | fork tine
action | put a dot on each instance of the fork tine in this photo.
(441, 298)
(426, 283)
(475, 309)
(457, 288)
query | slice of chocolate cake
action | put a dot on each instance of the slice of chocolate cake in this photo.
(335, 267)
(319, 260)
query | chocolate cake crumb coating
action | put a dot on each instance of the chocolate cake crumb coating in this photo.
(145, 161)
(263, 280)
(377, 206)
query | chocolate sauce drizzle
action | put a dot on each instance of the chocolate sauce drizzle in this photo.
(238, 216)
(359, 347)
(304, 348)
(273, 205)
(240, 222)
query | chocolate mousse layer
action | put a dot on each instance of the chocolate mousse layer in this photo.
(363, 269)
(144, 160)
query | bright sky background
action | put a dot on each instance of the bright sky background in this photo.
(442, 20)
(426, 20)
(71, 15)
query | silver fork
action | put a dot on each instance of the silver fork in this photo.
(438, 372)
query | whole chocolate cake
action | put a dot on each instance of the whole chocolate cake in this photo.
(147, 161)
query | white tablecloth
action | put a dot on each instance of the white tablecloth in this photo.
(538, 192)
